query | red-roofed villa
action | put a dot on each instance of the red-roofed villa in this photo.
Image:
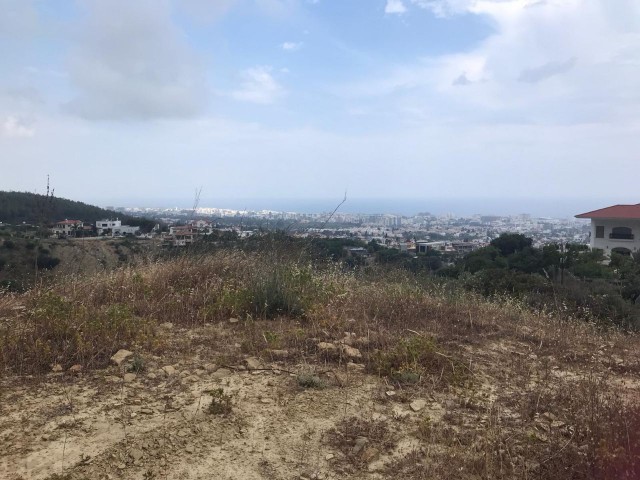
(615, 229)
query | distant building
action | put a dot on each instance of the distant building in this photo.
(183, 235)
(67, 228)
(115, 228)
(425, 247)
(615, 229)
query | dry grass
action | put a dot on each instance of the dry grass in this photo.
(497, 359)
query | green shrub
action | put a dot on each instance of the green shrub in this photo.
(46, 262)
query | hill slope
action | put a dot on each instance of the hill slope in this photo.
(18, 207)
(319, 374)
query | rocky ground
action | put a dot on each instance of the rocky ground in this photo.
(206, 408)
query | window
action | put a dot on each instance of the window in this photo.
(600, 231)
(621, 233)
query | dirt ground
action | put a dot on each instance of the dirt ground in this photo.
(156, 423)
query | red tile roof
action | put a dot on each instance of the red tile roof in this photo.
(615, 211)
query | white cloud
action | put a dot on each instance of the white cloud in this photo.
(258, 86)
(12, 127)
(552, 61)
(395, 7)
(291, 46)
(132, 62)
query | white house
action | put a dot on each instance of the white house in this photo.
(615, 229)
(115, 228)
(67, 227)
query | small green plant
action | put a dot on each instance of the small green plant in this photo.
(136, 365)
(221, 403)
(308, 380)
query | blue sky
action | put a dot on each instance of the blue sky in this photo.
(140, 102)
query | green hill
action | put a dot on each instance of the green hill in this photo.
(19, 207)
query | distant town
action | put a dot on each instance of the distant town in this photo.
(446, 233)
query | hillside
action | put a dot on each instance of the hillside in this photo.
(267, 366)
(19, 207)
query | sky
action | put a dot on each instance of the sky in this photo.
(141, 102)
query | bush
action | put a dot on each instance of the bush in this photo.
(46, 262)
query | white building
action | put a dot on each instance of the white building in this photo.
(115, 228)
(67, 227)
(615, 229)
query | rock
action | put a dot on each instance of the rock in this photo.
(166, 325)
(57, 368)
(350, 352)
(418, 405)
(146, 411)
(190, 449)
(266, 400)
(185, 373)
(192, 379)
(549, 416)
(233, 320)
(390, 393)
(221, 373)
(359, 444)
(210, 367)
(136, 454)
(329, 456)
(129, 377)
(75, 369)
(355, 366)
(252, 363)
(369, 454)
(151, 376)
(169, 370)
(120, 356)
(326, 347)
(557, 424)
(279, 354)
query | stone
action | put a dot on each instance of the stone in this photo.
(557, 424)
(357, 367)
(129, 377)
(418, 405)
(210, 367)
(190, 449)
(221, 373)
(192, 379)
(136, 454)
(280, 354)
(77, 368)
(329, 456)
(369, 454)
(146, 411)
(252, 363)
(351, 352)
(120, 356)
(57, 368)
(359, 444)
(169, 370)
(390, 393)
(266, 400)
(166, 325)
(326, 347)
(233, 320)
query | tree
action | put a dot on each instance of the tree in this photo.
(509, 243)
